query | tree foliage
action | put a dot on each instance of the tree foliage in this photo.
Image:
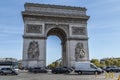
(53, 65)
(106, 62)
(96, 62)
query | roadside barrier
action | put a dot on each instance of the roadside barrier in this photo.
(96, 74)
(109, 75)
(119, 77)
(106, 75)
(112, 75)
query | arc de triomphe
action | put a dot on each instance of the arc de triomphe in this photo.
(66, 22)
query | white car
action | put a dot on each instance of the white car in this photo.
(87, 67)
(5, 71)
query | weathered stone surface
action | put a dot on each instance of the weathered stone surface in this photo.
(66, 22)
(78, 31)
(34, 28)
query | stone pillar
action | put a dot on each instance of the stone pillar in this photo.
(68, 54)
(64, 54)
(34, 62)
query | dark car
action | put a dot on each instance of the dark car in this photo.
(71, 69)
(112, 69)
(5, 71)
(61, 70)
(0, 71)
(38, 70)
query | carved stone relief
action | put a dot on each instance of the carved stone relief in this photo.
(48, 26)
(79, 51)
(78, 31)
(33, 50)
(62, 26)
(46, 19)
(70, 27)
(34, 28)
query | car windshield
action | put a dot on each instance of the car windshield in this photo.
(93, 66)
(5, 69)
(37, 68)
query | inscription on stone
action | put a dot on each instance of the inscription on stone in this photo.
(34, 28)
(78, 30)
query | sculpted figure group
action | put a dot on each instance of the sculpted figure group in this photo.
(79, 51)
(33, 50)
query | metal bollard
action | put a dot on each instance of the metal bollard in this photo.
(109, 74)
(119, 77)
(112, 75)
(106, 75)
(96, 74)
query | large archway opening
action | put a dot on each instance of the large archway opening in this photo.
(58, 49)
(53, 49)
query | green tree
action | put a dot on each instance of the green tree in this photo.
(56, 64)
(96, 62)
(53, 65)
(102, 64)
(115, 62)
(107, 62)
(118, 64)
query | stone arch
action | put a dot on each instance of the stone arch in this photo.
(67, 22)
(58, 32)
(64, 28)
(63, 37)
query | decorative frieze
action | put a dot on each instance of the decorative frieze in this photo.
(78, 31)
(55, 19)
(48, 26)
(34, 28)
(65, 27)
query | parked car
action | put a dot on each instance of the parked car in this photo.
(0, 71)
(61, 70)
(87, 67)
(71, 69)
(112, 69)
(38, 70)
(5, 71)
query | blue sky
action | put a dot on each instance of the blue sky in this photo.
(103, 28)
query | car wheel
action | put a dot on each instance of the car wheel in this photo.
(96, 72)
(67, 72)
(5, 74)
(13, 73)
(79, 72)
(55, 72)
(111, 71)
(2, 73)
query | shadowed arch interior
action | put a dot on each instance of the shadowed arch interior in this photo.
(58, 32)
